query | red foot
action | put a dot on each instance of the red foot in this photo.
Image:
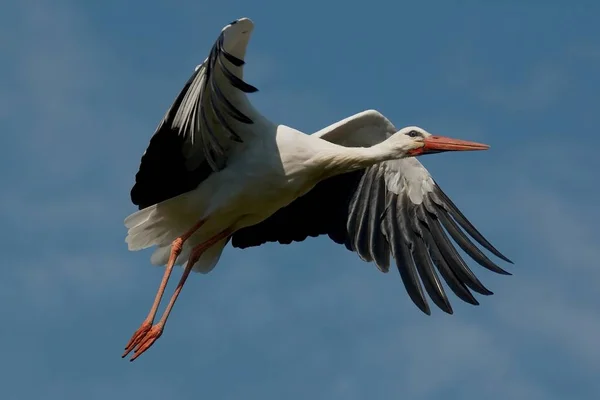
(137, 337)
(147, 341)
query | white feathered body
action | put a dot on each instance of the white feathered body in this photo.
(263, 174)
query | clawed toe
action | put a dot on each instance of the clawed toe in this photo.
(137, 337)
(147, 341)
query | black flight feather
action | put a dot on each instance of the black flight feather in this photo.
(196, 117)
(356, 209)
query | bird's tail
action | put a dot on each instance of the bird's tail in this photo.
(159, 225)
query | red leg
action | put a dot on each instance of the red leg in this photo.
(156, 331)
(147, 324)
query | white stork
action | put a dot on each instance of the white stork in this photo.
(217, 170)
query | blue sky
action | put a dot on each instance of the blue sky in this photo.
(84, 85)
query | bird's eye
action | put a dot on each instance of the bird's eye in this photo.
(413, 134)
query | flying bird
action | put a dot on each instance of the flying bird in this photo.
(217, 171)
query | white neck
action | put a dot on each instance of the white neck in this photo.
(340, 159)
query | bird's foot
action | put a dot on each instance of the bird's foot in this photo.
(148, 340)
(137, 337)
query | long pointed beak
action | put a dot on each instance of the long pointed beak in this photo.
(438, 144)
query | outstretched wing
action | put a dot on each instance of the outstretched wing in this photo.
(392, 208)
(198, 131)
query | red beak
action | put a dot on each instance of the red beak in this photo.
(438, 144)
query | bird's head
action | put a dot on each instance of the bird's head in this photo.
(414, 141)
(236, 36)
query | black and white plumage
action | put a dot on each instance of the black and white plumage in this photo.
(217, 170)
(393, 208)
(199, 118)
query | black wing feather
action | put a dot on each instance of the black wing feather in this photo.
(379, 247)
(198, 113)
(452, 280)
(357, 210)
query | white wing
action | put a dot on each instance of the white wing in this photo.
(393, 208)
(210, 115)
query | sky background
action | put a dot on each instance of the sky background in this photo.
(82, 87)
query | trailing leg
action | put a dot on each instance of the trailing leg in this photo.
(154, 332)
(144, 329)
